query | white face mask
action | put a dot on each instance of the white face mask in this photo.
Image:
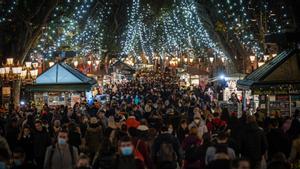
(197, 121)
(170, 130)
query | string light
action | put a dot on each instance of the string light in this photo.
(177, 30)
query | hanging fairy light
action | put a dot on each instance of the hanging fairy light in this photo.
(223, 59)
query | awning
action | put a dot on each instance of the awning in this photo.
(62, 77)
(279, 74)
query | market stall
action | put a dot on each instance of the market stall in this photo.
(61, 85)
(277, 83)
(121, 72)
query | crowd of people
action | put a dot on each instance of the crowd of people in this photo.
(149, 123)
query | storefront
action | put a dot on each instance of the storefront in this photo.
(277, 83)
(231, 87)
(61, 85)
(193, 76)
(120, 72)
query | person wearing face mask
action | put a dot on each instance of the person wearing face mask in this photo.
(19, 162)
(128, 157)
(61, 155)
(199, 124)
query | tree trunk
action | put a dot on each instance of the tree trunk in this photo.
(16, 87)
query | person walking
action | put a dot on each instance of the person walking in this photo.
(93, 137)
(41, 140)
(253, 143)
(61, 155)
(166, 150)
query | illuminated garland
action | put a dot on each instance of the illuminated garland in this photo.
(179, 29)
(7, 11)
(236, 18)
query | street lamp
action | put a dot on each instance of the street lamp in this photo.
(75, 63)
(36, 64)
(28, 65)
(260, 63)
(51, 64)
(34, 73)
(191, 60)
(185, 59)
(252, 58)
(223, 59)
(89, 62)
(211, 59)
(10, 61)
(266, 57)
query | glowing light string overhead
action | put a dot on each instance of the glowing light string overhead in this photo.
(182, 29)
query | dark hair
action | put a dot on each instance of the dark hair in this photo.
(133, 132)
(63, 130)
(274, 122)
(125, 139)
(38, 121)
(84, 157)
(222, 135)
(183, 121)
(19, 150)
(278, 165)
(235, 163)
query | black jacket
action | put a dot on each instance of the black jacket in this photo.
(253, 143)
(166, 138)
(27, 144)
(278, 142)
(181, 133)
(41, 140)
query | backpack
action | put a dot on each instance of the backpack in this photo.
(192, 153)
(166, 153)
(52, 152)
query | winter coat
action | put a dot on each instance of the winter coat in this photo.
(4, 145)
(212, 151)
(27, 144)
(60, 158)
(93, 138)
(41, 140)
(253, 143)
(142, 147)
(168, 138)
(182, 133)
(104, 160)
(278, 142)
(199, 163)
